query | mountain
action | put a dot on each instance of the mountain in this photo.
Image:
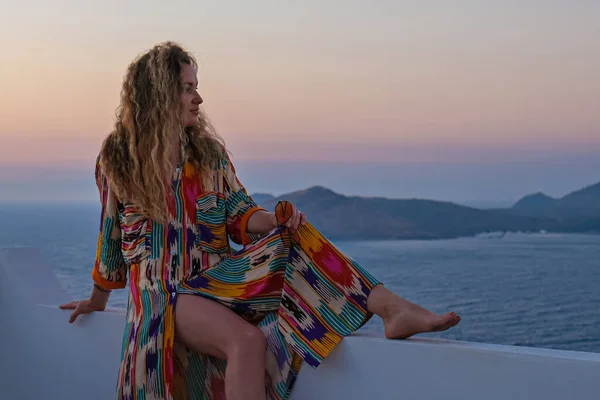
(369, 218)
(366, 218)
(262, 197)
(535, 204)
(583, 203)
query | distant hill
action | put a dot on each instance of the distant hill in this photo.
(583, 202)
(579, 204)
(262, 197)
(367, 218)
(538, 204)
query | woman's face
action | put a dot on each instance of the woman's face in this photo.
(190, 99)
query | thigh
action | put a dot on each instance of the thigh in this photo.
(208, 327)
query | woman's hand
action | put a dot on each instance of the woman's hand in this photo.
(298, 218)
(81, 307)
(96, 302)
(288, 215)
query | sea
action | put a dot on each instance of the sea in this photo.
(540, 290)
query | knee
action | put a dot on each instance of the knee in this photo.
(248, 342)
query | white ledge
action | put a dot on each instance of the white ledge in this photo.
(42, 356)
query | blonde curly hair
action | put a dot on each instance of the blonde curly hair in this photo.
(135, 156)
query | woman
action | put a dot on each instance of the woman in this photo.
(203, 321)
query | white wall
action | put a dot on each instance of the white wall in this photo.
(42, 356)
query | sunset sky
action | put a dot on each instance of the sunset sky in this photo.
(467, 101)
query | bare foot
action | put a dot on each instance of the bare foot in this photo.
(403, 319)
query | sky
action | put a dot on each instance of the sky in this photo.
(466, 101)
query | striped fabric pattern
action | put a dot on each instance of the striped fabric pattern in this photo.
(305, 305)
(211, 219)
(304, 294)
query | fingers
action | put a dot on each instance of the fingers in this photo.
(293, 221)
(73, 305)
(297, 219)
(289, 216)
(74, 315)
(302, 219)
(79, 307)
(69, 306)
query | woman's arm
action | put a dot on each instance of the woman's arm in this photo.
(262, 222)
(109, 271)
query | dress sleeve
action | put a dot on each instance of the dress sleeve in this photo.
(239, 205)
(109, 267)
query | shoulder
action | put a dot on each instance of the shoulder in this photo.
(226, 161)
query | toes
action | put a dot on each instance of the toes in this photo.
(451, 316)
(453, 320)
(447, 321)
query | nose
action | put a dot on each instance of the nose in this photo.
(198, 99)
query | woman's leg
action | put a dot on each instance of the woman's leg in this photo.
(402, 319)
(208, 327)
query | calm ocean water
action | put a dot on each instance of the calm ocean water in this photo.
(529, 290)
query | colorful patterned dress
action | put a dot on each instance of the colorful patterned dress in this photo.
(304, 294)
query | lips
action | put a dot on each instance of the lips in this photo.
(195, 111)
